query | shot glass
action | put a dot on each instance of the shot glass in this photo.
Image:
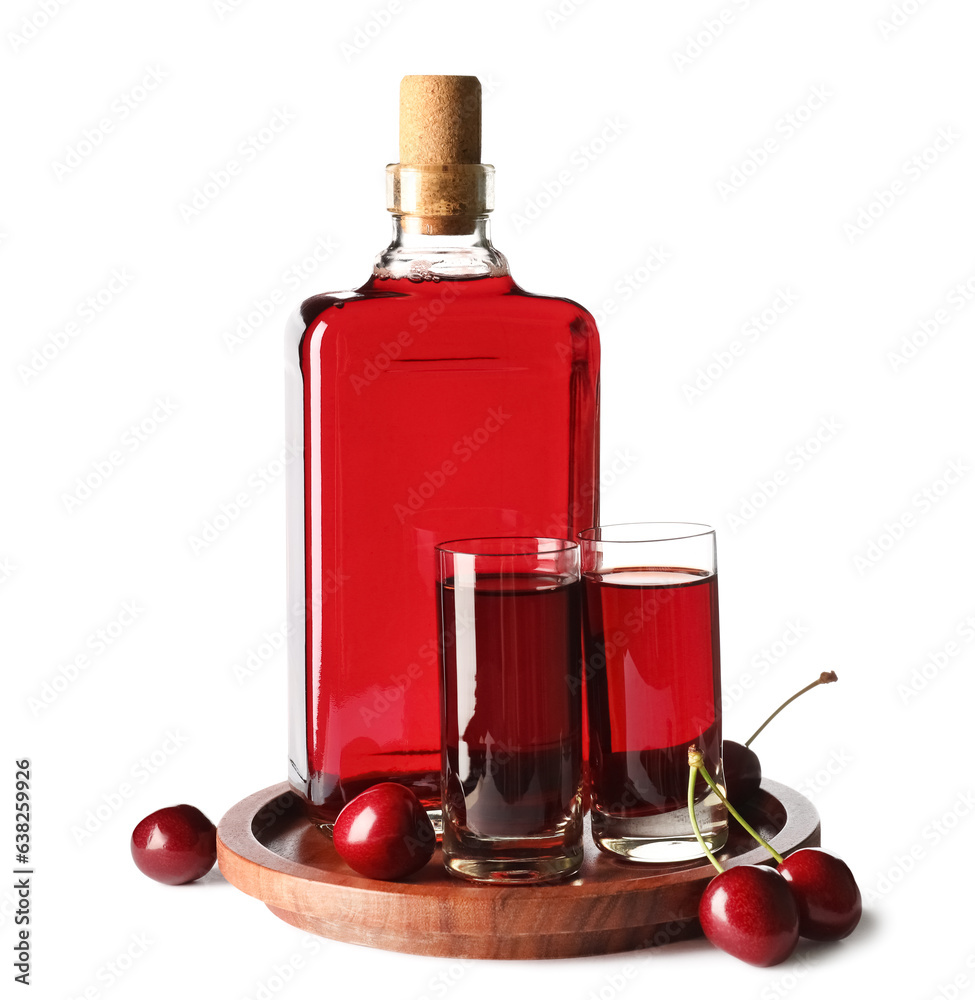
(652, 670)
(511, 708)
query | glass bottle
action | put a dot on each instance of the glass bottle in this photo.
(437, 401)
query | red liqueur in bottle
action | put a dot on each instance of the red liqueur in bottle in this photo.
(437, 401)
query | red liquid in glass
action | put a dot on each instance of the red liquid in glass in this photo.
(513, 706)
(653, 679)
(433, 410)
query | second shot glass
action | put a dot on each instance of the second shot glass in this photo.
(653, 684)
(511, 708)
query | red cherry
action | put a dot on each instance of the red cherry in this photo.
(749, 912)
(175, 845)
(385, 832)
(742, 771)
(826, 893)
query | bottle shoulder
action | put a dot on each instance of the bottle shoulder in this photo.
(393, 300)
(412, 329)
(313, 307)
(561, 307)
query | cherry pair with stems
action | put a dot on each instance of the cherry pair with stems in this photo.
(758, 913)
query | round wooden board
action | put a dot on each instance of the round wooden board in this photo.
(268, 849)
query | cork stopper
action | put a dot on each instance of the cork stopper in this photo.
(440, 119)
(440, 186)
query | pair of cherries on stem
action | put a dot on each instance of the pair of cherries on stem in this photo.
(757, 913)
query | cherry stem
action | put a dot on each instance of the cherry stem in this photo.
(691, 782)
(734, 812)
(827, 677)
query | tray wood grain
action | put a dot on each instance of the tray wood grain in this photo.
(269, 850)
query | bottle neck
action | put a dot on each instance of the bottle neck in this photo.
(421, 257)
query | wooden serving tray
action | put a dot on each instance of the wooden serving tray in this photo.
(268, 849)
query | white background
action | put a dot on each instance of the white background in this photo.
(886, 765)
